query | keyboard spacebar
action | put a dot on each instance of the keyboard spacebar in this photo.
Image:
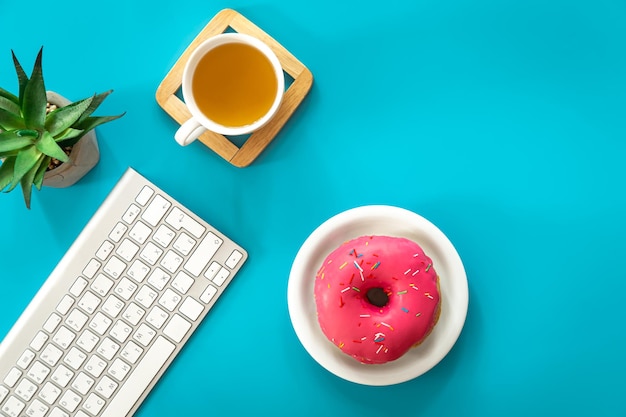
(140, 378)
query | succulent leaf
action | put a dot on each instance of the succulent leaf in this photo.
(27, 132)
(9, 105)
(92, 122)
(95, 103)
(22, 78)
(64, 117)
(27, 181)
(10, 121)
(6, 172)
(41, 172)
(13, 141)
(4, 93)
(47, 145)
(34, 104)
(68, 134)
(24, 161)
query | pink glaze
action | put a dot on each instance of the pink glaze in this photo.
(371, 334)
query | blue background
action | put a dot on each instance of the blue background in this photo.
(502, 122)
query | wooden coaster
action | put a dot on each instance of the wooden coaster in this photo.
(258, 140)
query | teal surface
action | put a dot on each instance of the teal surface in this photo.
(502, 122)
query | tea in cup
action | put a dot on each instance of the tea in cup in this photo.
(232, 84)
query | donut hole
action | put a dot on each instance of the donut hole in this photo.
(377, 296)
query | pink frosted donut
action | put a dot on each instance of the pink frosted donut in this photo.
(376, 297)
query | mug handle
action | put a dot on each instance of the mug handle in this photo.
(189, 131)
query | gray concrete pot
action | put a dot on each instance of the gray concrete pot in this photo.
(85, 155)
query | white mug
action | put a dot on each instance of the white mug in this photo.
(199, 122)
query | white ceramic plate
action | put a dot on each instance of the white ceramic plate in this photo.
(389, 221)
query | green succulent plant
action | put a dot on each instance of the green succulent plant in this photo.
(30, 136)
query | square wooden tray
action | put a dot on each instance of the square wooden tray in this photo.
(257, 141)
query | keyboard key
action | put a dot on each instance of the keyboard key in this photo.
(171, 261)
(100, 323)
(127, 250)
(4, 391)
(121, 331)
(25, 360)
(63, 337)
(131, 352)
(184, 244)
(140, 232)
(144, 334)
(79, 285)
(159, 278)
(64, 306)
(133, 313)
(119, 369)
(25, 389)
(126, 288)
(37, 409)
(212, 270)
(93, 404)
(39, 340)
(156, 210)
(87, 341)
(131, 214)
(51, 355)
(140, 377)
(89, 302)
(208, 294)
(108, 348)
(151, 253)
(95, 366)
(115, 266)
(177, 328)
(57, 412)
(50, 392)
(101, 285)
(118, 232)
(61, 376)
(105, 250)
(191, 308)
(38, 372)
(106, 387)
(70, 400)
(138, 271)
(170, 299)
(234, 259)
(157, 317)
(12, 377)
(51, 324)
(146, 296)
(91, 268)
(144, 195)
(76, 320)
(75, 358)
(164, 236)
(221, 276)
(13, 407)
(113, 306)
(180, 220)
(203, 254)
(82, 383)
(182, 282)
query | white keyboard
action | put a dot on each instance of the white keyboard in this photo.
(117, 309)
